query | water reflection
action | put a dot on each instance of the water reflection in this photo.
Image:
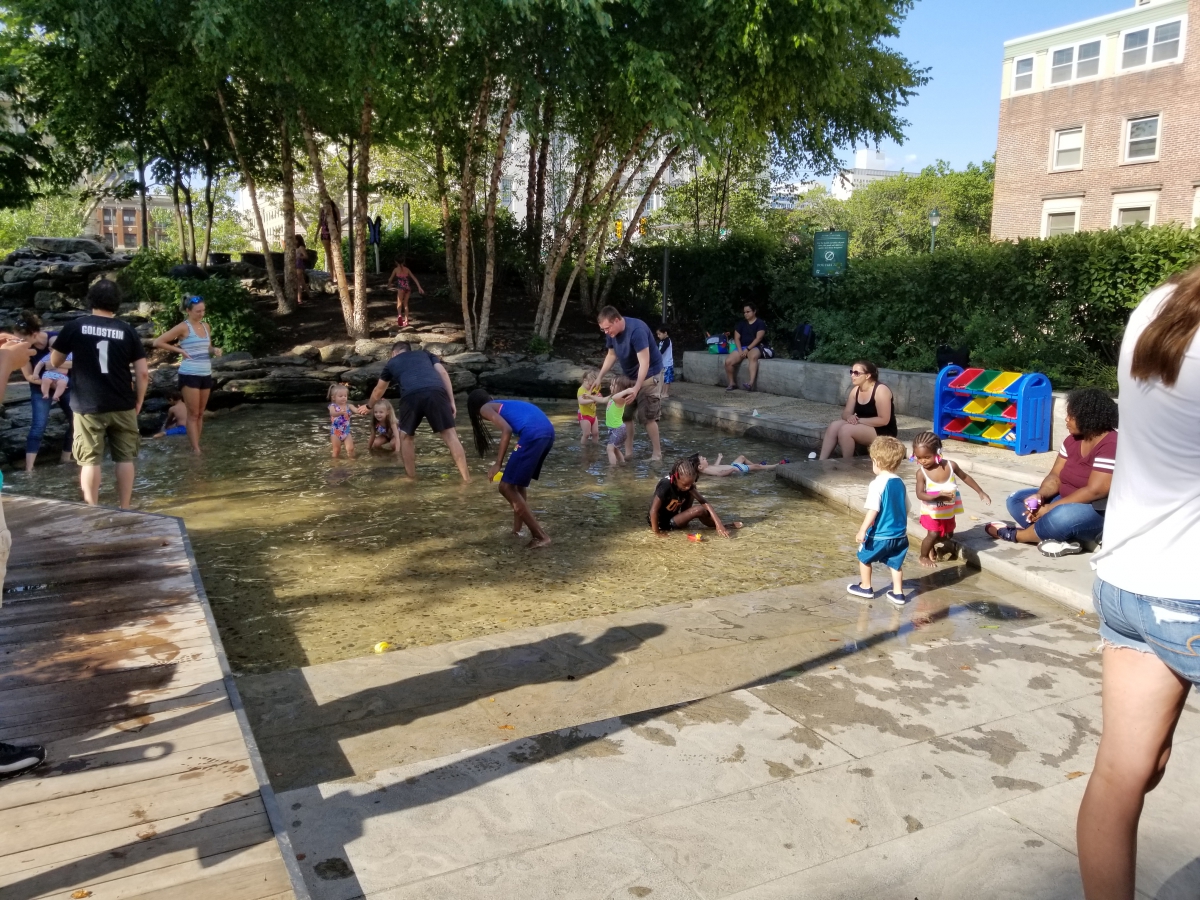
(308, 560)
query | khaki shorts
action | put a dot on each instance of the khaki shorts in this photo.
(649, 400)
(119, 428)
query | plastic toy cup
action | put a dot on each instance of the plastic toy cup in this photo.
(695, 538)
(1032, 502)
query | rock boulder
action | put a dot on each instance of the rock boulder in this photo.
(66, 246)
(554, 378)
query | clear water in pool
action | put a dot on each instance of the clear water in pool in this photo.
(308, 560)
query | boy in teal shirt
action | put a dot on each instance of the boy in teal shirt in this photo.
(883, 536)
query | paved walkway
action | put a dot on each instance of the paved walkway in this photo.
(782, 744)
(109, 658)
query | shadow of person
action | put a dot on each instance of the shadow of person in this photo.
(302, 740)
(1183, 885)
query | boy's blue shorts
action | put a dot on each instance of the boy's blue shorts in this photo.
(176, 430)
(525, 463)
(669, 375)
(889, 552)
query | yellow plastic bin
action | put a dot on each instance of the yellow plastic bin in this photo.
(997, 432)
(1003, 383)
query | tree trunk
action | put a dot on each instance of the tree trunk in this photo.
(288, 204)
(252, 189)
(485, 306)
(141, 167)
(335, 225)
(562, 307)
(466, 201)
(540, 192)
(349, 205)
(531, 179)
(208, 209)
(362, 328)
(447, 234)
(191, 221)
(623, 250)
(178, 216)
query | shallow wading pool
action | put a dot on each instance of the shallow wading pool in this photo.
(307, 560)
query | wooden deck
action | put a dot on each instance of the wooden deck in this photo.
(110, 658)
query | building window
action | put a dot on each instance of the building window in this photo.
(1068, 149)
(1023, 74)
(1141, 139)
(128, 217)
(109, 215)
(1074, 63)
(1137, 215)
(1153, 45)
(1060, 223)
(130, 238)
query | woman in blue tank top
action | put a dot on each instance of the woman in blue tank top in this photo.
(535, 437)
(192, 338)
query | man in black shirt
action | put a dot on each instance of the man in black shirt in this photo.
(103, 398)
(425, 393)
(750, 338)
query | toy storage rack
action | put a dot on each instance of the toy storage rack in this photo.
(990, 406)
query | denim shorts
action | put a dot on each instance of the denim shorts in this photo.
(1170, 629)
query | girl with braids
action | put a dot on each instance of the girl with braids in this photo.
(937, 489)
(677, 502)
(535, 438)
(1145, 592)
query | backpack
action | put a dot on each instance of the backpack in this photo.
(804, 341)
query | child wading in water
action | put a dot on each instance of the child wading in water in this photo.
(587, 395)
(667, 351)
(614, 418)
(405, 279)
(175, 422)
(340, 412)
(883, 535)
(741, 465)
(386, 435)
(937, 489)
(535, 438)
(677, 502)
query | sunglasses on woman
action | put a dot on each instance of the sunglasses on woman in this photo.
(857, 372)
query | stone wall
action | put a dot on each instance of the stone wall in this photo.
(824, 383)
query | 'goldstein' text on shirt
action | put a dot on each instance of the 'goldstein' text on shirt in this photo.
(98, 331)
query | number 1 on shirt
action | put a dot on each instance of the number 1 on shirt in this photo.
(102, 350)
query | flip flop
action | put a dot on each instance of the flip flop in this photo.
(732, 387)
(747, 386)
(1056, 549)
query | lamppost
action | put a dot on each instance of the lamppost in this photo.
(935, 219)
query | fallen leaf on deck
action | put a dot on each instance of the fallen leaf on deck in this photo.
(508, 727)
(79, 895)
(854, 821)
(1074, 774)
(989, 626)
(965, 668)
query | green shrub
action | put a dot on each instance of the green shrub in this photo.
(228, 308)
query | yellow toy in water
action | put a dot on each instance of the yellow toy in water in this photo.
(498, 476)
(383, 647)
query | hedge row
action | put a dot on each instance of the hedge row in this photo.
(1057, 306)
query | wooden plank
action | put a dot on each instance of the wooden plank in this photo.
(61, 667)
(114, 687)
(98, 649)
(87, 731)
(143, 858)
(101, 625)
(60, 848)
(246, 874)
(229, 756)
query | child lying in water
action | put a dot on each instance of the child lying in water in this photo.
(740, 466)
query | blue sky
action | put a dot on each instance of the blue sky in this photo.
(954, 116)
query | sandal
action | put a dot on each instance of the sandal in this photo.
(1002, 532)
(732, 387)
(747, 386)
(1055, 549)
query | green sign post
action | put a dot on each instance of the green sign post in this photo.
(829, 252)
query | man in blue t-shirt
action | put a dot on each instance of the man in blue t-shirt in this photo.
(632, 346)
(425, 393)
(883, 535)
(750, 340)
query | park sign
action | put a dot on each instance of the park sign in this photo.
(829, 252)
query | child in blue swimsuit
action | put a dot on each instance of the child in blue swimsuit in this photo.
(340, 412)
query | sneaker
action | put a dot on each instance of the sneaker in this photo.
(16, 761)
(813, 455)
(857, 590)
(1059, 548)
(897, 599)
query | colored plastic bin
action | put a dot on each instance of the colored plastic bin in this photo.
(957, 425)
(983, 380)
(1003, 383)
(975, 429)
(978, 406)
(997, 431)
(968, 375)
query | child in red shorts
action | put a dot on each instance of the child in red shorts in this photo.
(937, 489)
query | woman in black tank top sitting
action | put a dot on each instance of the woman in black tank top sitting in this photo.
(869, 413)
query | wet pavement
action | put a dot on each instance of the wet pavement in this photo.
(776, 744)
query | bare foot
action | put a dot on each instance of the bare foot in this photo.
(656, 459)
(538, 543)
(735, 524)
(926, 562)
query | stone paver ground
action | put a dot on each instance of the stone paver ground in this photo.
(788, 743)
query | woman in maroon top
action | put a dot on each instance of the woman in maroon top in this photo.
(1069, 506)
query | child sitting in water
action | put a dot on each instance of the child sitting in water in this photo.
(387, 429)
(883, 535)
(587, 395)
(614, 419)
(677, 502)
(175, 422)
(53, 379)
(741, 465)
(340, 412)
(937, 489)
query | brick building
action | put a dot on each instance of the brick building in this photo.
(119, 222)
(1100, 124)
